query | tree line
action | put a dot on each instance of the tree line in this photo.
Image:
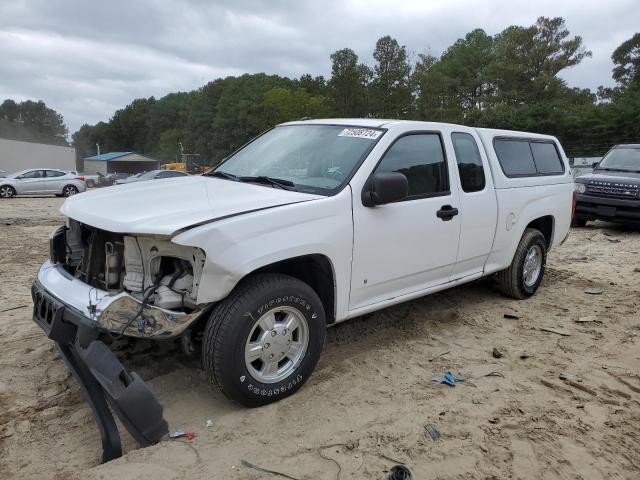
(31, 121)
(509, 80)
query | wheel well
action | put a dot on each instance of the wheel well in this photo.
(545, 226)
(316, 271)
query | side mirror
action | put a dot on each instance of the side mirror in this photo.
(384, 188)
(594, 164)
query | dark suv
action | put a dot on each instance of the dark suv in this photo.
(612, 191)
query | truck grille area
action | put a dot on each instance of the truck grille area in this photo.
(92, 255)
(619, 190)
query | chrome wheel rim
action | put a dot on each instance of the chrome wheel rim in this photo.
(277, 344)
(532, 266)
(6, 192)
(68, 191)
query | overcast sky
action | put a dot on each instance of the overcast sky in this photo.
(86, 59)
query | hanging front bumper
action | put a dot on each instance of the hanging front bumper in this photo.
(103, 379)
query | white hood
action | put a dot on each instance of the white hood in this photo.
(161, 207)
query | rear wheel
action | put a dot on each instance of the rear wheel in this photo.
(69, 190)
(7, 191)
(263, 341)
(524, 275)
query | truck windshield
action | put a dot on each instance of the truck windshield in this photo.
(307, 158)
(622, 159)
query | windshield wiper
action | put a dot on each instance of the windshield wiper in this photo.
(220, 174)
(276, 182)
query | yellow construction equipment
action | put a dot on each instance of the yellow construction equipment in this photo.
(189, 163)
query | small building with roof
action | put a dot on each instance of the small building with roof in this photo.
(120, 162)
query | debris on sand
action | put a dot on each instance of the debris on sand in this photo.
(497, 353)
(399, 472)
(182, 434)
(448, 378)
(575, 384)
(265, 470)
(433, 432)
(588, 319)
(593, 291)
(511, 316)
(555, 330)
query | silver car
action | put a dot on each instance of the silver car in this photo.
(152, 175)
(41, 181)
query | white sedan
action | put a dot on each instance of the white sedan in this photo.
(41, 182)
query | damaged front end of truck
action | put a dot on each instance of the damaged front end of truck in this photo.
(98, 283)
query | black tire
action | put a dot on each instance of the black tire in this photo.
(69, 190)
(7, 191)
(579, 222)
(511, 282)
(233, 320)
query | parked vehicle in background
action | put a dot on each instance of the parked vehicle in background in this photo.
(111, 178)
(152, 175)
(312, 223)
(41, 182)
(611, 192)
(92, 179)
(3, 173)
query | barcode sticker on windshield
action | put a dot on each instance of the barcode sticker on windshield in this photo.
(360, 133)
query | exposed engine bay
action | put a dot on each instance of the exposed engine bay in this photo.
(151, 269)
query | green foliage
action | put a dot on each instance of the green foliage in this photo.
(508, 81)
(627, 61)
(391, 89)
(31, 121)
(348, 84)
(282, 105)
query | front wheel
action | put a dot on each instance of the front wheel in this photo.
(263, 341)
(524, 275)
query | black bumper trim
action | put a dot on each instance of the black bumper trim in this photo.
(103, 379)
(608, 208)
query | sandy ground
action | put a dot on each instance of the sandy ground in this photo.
(367, 405)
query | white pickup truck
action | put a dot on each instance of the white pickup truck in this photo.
(312, 223)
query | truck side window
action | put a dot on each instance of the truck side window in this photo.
(420, 157)
(528, 158)
(469, 162)
(515, 157)
(546, 157)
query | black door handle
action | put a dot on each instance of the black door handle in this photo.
(447, 212)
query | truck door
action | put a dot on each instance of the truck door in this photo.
(478, 205)
(410, 245)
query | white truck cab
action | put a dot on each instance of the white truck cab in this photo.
(312, 223)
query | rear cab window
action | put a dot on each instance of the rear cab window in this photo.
(520, 157)
(470, 167)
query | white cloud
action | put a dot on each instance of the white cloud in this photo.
(87, 59)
